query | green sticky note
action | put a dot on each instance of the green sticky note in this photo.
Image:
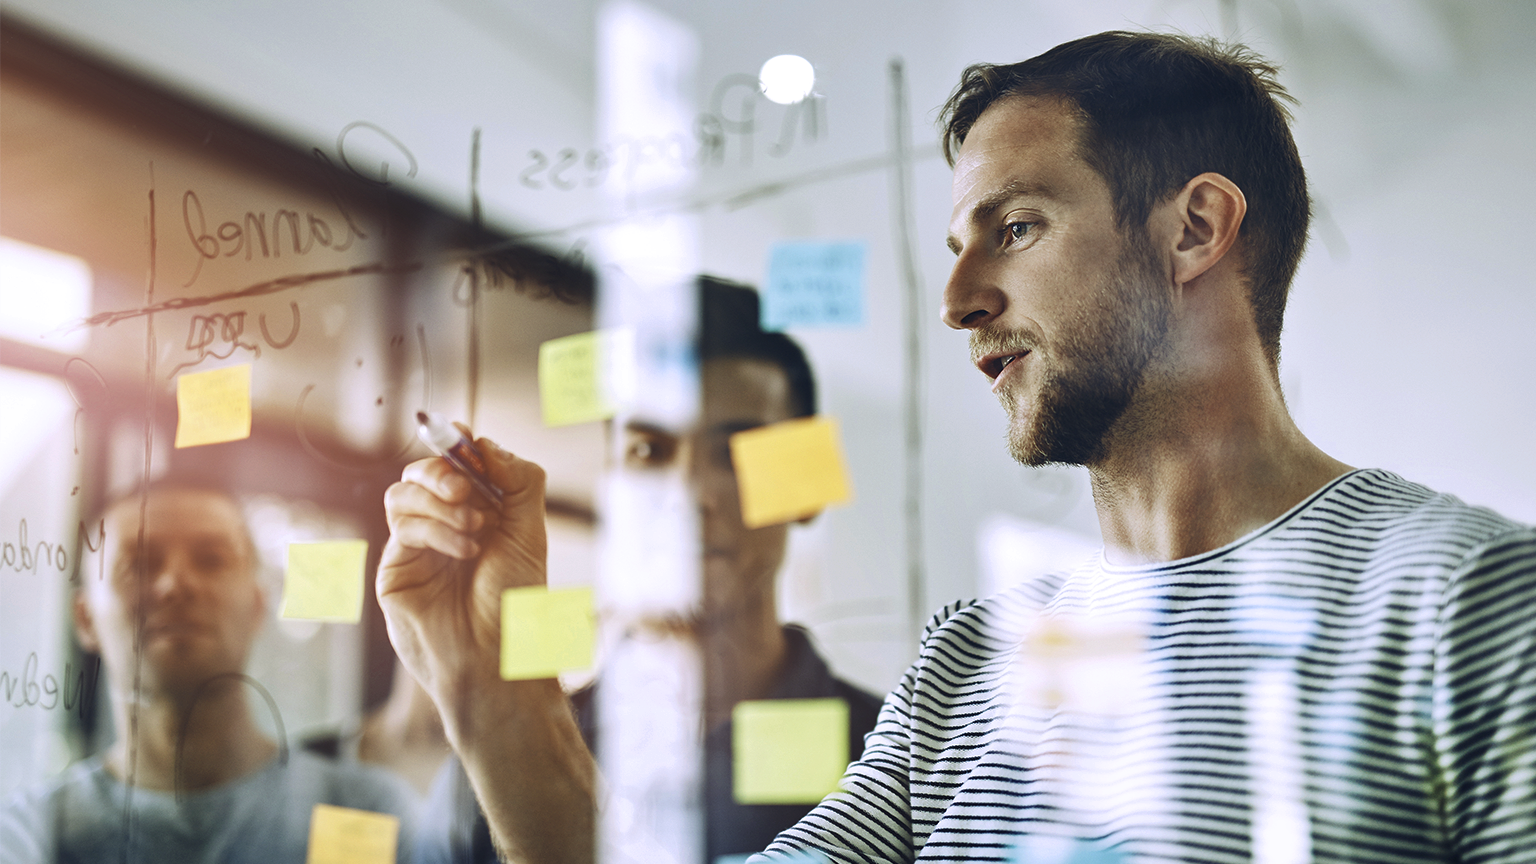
(544, 632)
(788, 751)
(342, 835)
(214, 406)
(571, 385)
(324, 581)
(788, 470)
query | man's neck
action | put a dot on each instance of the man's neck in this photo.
(221, 740)
(743, 659)
(1203, 468)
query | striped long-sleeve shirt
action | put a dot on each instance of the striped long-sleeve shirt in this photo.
(1355, 681)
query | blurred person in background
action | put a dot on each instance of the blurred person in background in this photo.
(191, 776)
(1329, 663)
(404, 735)
(749, 378)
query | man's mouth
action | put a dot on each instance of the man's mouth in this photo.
(993, 365)
(171, 627)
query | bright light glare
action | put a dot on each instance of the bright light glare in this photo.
(40, 290)
(786, 78)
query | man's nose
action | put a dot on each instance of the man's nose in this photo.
(173, 578)
(971, 296)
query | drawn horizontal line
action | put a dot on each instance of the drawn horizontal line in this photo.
(731, 200)
(273, 286)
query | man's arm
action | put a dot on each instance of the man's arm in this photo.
(1485, 702)
(449, 557)
(870, 817)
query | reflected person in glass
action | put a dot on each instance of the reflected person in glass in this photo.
(191, 776)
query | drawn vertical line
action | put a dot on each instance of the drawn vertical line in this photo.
(473, 364)
(474, 179)
(473, 396)
(141, 560)
(901, 183)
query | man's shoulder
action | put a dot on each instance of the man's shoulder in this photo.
(969, 634)
(29, 818)
(1380, 500)
(346, 783)
(1400, 519)
(87, 777)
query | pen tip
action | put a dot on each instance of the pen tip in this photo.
(421, 417)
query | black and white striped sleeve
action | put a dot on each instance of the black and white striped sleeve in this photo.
(1484, 711)
(870, 819)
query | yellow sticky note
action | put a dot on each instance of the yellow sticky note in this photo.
(341, 835)
(571, 386)
(213, 406)
(788, 751)
(324, 580)
(544, 632)
(789, 470)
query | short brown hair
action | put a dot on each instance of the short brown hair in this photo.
(1158, 110)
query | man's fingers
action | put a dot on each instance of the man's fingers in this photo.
(435, 474)
(516, 476)
(405, 499)
(417, 532)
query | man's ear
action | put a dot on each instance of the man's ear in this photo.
(1210, 210)
(85, 626)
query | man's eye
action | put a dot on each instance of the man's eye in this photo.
(647, 452)
(210, 562)
(1018, 230)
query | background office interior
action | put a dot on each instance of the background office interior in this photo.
(1408, 343)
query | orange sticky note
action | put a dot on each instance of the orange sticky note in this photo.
(341, 835)
(544, 632)
(788, 751)
(789, 470)
(324, 580)
(213, 406)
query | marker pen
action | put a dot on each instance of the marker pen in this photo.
(448, 442)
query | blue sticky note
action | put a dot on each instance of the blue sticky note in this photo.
(1063, 850)
(814, 284)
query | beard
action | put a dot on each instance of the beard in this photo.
(1091, 374)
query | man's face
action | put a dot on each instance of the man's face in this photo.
(193, 590)
(1065, 311)
(740, 563)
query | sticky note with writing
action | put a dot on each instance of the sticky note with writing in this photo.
(342, 835)
(788, 751)
(571, 379)
(544, 632)
(324, 580)
(213, 406)
(788, 470)
(814, 284)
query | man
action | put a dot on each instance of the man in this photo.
(191, 777)
(1326, 664)
(750, 378)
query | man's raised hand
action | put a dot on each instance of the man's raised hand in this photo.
(450, 555)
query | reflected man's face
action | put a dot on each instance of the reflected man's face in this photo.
(192, 589)
(740, 563)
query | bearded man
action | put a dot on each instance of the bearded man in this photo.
(1275, 657)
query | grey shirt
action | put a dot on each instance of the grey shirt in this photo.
(262, 818)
